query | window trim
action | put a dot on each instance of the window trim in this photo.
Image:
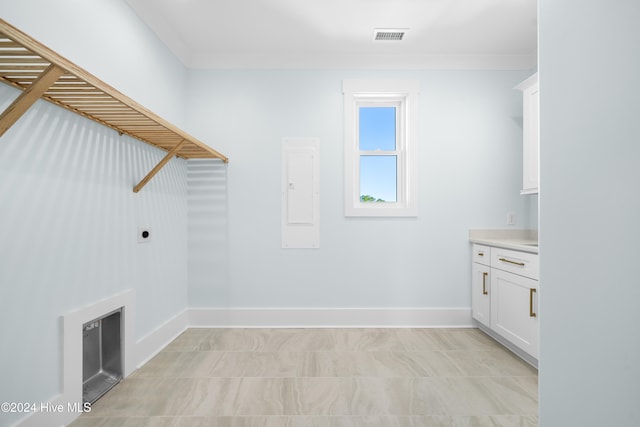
(383, 92)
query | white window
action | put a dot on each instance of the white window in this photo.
(379, 147)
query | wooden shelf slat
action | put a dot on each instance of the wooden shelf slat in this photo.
(6, 43)
(8, 68)
(21, 60)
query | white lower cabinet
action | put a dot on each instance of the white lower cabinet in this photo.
(514, 309)
(504, 295)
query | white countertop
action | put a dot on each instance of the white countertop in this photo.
(519, 240)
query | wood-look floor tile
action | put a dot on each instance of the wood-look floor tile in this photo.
(236, 339)
(117, 422)
(138, 397)
(393, 397)
(381, 364)
(436, 363)
(255, 364)
(496, 362)
(312, 421)
(487, 396)
(529, 384)
(250, 339)
(438, 396)
(301, 340)
(413, 339)
(464, 339)
(190, 339)
(367, 340)
(179, 364)
(377, 364)
(288, 396)
(484, 421)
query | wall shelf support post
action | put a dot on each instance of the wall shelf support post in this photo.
(159, 166)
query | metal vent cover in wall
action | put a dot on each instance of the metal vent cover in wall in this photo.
(389, 34)
(102, 355)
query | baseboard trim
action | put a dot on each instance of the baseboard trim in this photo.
(152, 343)
(330, 317)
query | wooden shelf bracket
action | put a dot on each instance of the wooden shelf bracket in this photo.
(30, 95)
(159, 166)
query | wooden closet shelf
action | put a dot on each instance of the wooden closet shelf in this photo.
(42, 73)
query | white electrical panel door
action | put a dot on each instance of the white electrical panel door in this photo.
(300, 186)
(300, 193)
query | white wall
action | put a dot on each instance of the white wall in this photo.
(68, 227)
(590, 205)
(208, 240)
(68, 215)
(470, 176)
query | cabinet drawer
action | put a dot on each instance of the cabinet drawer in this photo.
(522, 263)
(482, 254)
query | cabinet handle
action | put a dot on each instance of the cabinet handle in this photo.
(521, 264)
(531, 312)
(480, 253)
(484, 283)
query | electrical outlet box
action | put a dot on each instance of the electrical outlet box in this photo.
(511, 218)
(144, 234)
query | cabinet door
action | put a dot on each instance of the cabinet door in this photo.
(514, 309)
(480, 297)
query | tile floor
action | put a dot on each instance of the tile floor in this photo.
(324, 378)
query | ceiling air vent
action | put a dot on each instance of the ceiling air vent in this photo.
(389, 35)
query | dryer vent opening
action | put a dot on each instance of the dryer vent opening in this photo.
(102, 355)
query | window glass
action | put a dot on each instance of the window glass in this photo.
(378, 178)
(377, 128)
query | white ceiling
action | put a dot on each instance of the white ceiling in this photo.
(450, 34)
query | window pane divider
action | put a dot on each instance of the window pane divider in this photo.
(379, 153)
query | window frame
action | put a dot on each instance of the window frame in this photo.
(403, 95)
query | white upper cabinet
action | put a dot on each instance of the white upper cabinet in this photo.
(530, 138)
